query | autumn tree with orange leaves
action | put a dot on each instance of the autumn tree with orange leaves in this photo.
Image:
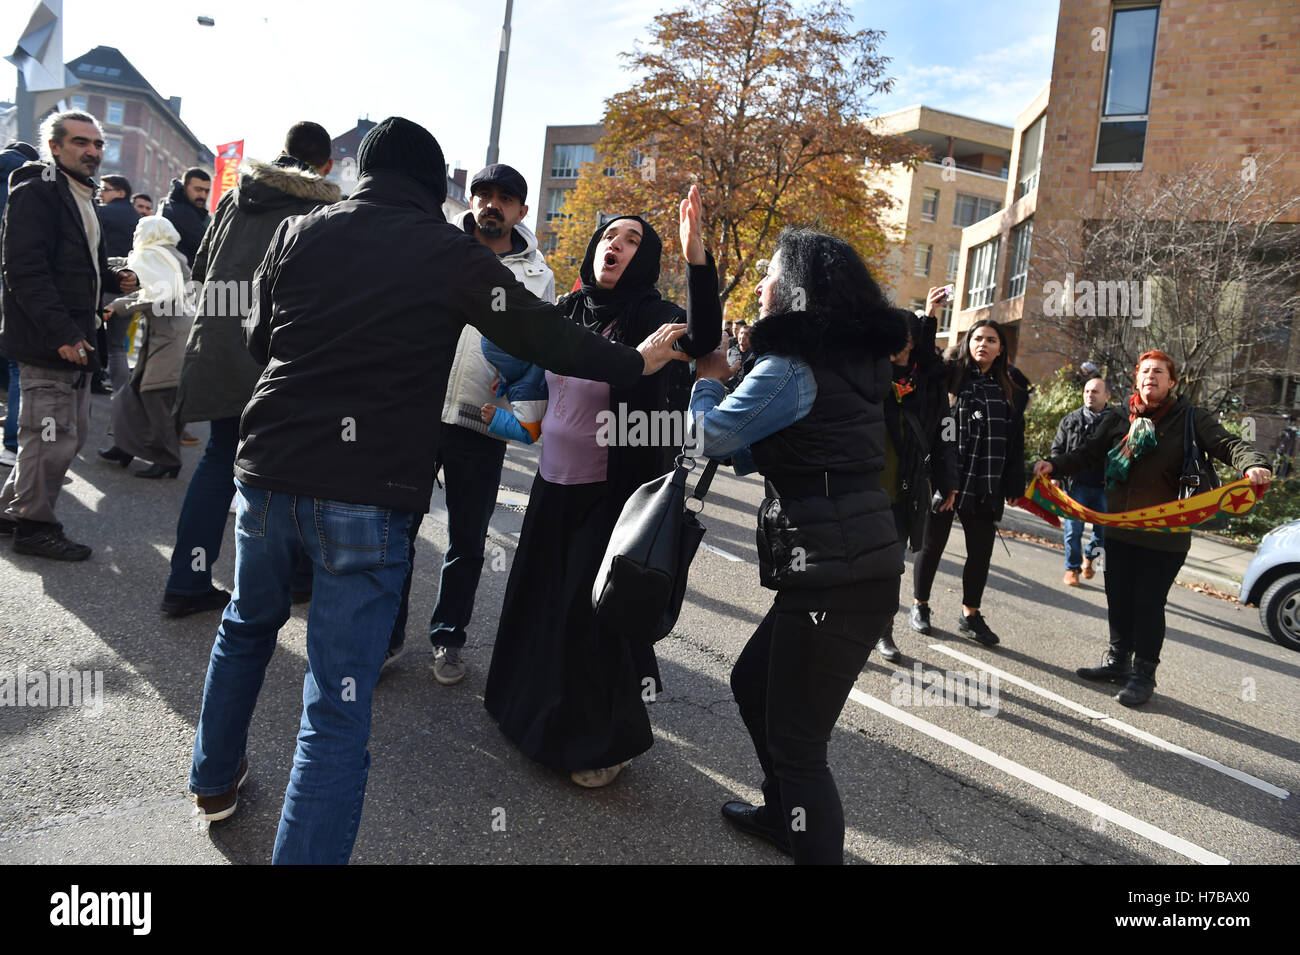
(764, 106)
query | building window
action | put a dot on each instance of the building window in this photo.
(954, 260)
(145, 168)
(77, 102)
(566, 161)
(929, 205)
(112, 150)
(945, 318)
(924, 252)
(549, 242)
(917, 305)
(1021, 236)
(973, 208)
(113, 115)
(981, 274)
(1031, 157)
(1121, 136)
(554, 204)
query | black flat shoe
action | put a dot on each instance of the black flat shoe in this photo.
(158, 471)
(746, 818)
(885, 647)
(116, 454)
(182, 605)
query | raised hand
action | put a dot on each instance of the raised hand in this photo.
(691, 228)
(657, 350)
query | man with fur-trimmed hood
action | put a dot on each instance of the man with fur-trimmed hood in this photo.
(218, 374)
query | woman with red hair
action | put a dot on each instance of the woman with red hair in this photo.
(1143, 457)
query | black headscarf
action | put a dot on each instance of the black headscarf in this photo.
(599, 306)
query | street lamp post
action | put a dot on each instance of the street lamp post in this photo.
(494, 138)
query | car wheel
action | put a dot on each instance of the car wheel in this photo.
(1279, 611)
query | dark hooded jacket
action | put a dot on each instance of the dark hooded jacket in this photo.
(190, 221)
(637, 310)
(357, 309)
(826, 537)
(117, 221)
(49, 273)
(218, 374)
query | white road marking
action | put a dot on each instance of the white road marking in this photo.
(1156, 741)
(1038, 780)
(721, 553)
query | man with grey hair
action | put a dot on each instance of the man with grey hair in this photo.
(55, 264)
(1087, 488)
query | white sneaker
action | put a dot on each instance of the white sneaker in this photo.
(8, 458)
(447, 666)
(595, 778)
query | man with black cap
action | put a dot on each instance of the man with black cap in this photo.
(468, 454)
(357, 310)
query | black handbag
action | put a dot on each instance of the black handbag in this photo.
(1198, 472)
(642, 578)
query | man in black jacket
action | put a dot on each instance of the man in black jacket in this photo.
(1087, 488)
(357, 310)
(218, 374)
(117, 217)
(186, 206)
(54, 263)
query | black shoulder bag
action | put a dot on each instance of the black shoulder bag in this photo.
(1198, 472)
(642, 578)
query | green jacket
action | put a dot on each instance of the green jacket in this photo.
(1153, 477)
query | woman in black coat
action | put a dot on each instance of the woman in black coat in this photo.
(567, 694)
(986, 399)
(809, 418)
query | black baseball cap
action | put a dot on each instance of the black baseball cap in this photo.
(506, 177)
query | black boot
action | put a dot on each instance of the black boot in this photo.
(885, 647)
(1140, 684)
(1116, 666)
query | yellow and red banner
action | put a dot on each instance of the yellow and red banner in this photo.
(229, 156)
(1049, 502)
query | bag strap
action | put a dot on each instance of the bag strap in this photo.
(702, 485)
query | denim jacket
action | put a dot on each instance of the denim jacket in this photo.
(774, 395)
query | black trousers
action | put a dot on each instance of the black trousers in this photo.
(1137, 585)
(980, 531)
(790, 683)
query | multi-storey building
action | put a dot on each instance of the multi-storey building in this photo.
(145, 139)
(566, 149)
(963, 181)
(1140, 93)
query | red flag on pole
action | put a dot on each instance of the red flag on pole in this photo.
(229, 156)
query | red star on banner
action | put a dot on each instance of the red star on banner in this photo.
(1238, 502)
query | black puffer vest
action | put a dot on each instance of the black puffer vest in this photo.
(826, 523)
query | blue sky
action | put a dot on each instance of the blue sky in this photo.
(269, 63)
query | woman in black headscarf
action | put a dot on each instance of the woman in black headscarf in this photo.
(567, 694)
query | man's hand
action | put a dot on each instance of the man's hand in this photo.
(691, 231)
(127, 281)
(948, 501)
(1043, 469)
(488, 413)
(714, 365)
(78, 354)
(657, 350)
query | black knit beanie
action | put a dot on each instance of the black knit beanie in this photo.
(406, 147)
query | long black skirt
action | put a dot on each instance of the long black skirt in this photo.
(566, 694)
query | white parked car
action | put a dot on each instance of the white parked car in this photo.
(1272, 583)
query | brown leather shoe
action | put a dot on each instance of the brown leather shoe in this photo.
(222, 806)
(1088, 572)
(1071, 578)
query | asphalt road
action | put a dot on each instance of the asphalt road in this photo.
(1049, 770)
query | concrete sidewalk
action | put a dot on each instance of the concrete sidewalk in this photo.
(1212, 562)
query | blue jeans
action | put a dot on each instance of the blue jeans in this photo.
(11, 413)
(359, 556)
(1090, 497)
(471, 470)
(202, 524)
